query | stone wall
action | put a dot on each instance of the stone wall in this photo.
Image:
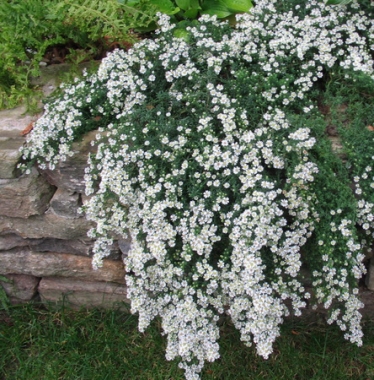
(45, 253)
(44, 250)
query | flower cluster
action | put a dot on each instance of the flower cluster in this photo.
(210, 155)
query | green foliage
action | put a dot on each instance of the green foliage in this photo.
(225, 8)
(111, 19)
(338, 2)
(36, 343)
(4, 301)
(192, 9)
(165, 6)
(26, 33)
(31, 28)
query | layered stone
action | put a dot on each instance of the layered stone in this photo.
(76, 293)
(20, 287)
(369, 280)
(12, 123)
(48, 225)
(69, 174)
(66, 203)
(52, 264)
(25, 196)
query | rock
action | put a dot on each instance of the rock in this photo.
(367, 298)
(25, 196)
(9, 157)
(51, 75)
(24, 261)
(12, 123)
(10, 241)
(77, 293)
(81, 247)
(369, 253)
(124, 246)
(337, 147)
(74, 247)
(65, 204)
(69, 175)
(21, 287)
(369, 280)
(46, 226)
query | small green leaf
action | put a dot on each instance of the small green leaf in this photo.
(5, 279)
(238, 5)
(191, 13)
(215, 8)
(182, 33)
(165, 6)
(130, 3)
(184, 4)
(191, 7)
(195, 4)
(145, 29)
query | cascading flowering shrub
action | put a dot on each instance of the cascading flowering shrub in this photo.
(212, 156)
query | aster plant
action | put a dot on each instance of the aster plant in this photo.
(212, 156)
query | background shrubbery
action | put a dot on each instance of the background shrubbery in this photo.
(212, 153)
(74, 30)
(55, 31)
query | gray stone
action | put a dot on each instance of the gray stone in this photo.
(46, 226)
(369, 280)
(10, 241)
(24, 261)
(74, 247)
(12, 123)
(124, 246)
(77, 293)
(369, 253)
(20, 287)
(367, 298)
(65, 204)
(69, 175)
(9, 157)
(25, 196)
(81, 247)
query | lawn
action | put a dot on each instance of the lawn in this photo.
(36, 343)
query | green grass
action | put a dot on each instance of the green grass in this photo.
(39, 344)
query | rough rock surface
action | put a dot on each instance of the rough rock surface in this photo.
(48, 225)
(76, 292)
(10, 241)
(24, 261)
(69, 174)
(25, 196)
(80, 247)
(42, 234)
(65, 203)
(21, 287)
(12, 123)
(369, 280)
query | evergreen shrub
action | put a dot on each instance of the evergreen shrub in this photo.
(212, 155)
